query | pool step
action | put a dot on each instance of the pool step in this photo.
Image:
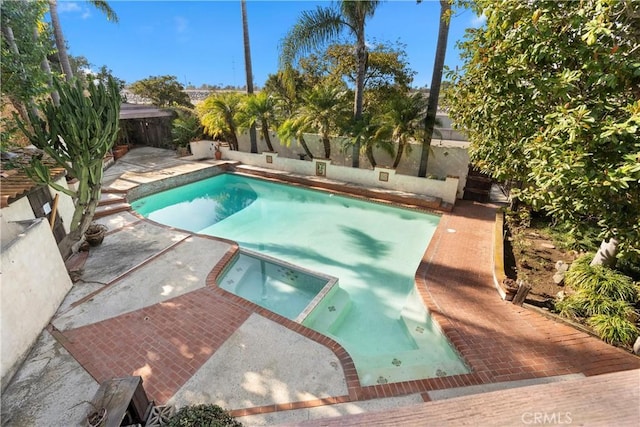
(236, 273)
(330, 313)
(404, 366)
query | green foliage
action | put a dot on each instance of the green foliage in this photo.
(604, 297)
(258, 110)
(185, 128)
(76, 134)
(614, 329)
(219, 114)
(25, 45)
(601, 280)
(163, 91)
(548, 96)
(202, 416)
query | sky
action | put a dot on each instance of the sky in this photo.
(201, 41)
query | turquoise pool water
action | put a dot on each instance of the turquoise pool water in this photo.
(282, 288)
(373, 250)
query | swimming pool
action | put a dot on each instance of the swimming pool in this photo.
(373, 251)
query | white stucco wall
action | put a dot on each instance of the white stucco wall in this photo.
(34, 283)
(448, 164)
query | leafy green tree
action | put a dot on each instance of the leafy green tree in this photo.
(549, 96)
(326, 24)
(76, 134)
(61, 45)
(436, 80)
(387, 66)
(163, 91)
(24, 48)
(219, 116)
(259, 110)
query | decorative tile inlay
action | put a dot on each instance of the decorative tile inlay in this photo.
(419, 329)
(239, 269)
(441, 373)
(396, 362)
(332, 308)
(382, 380)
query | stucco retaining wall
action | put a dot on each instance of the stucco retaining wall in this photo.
(448, 189)
(34, 283)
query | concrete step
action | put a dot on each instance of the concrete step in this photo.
(111, 198)
(110, 209)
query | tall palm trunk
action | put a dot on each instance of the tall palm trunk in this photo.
(248, 69)
(436, 79)
(60, 43)
(361, 64)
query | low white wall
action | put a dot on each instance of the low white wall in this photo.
(446, 189)
(448, 165)
(34, 283)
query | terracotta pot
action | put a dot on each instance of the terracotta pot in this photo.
(218, 154)
(95, 234)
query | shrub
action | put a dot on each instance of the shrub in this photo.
(202, 416)
(614, 329)
(601, 280)
(604, 297)
(185, 128)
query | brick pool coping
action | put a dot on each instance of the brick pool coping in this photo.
(499, 341)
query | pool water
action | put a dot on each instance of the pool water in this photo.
(282, 288)
(373, 250)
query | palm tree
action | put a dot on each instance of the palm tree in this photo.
(403, 120)
(322, 110)
(434, 90)
(259, 110)
(293, 129)
(219, 115)
(324, 25)
(61, 46)
(248, 69)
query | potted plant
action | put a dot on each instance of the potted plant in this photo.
(95, 234)
(218, 153)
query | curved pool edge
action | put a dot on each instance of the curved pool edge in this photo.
(357, 391)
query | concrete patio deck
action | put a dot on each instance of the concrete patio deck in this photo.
(147, 304)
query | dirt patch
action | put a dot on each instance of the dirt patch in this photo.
(531, 255)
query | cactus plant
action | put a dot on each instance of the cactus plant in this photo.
(76, 135)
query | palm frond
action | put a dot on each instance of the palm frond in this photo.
(313, 30)
(104, 7)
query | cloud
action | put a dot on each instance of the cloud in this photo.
(73, 7)
(68, 6)
(478, 21)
